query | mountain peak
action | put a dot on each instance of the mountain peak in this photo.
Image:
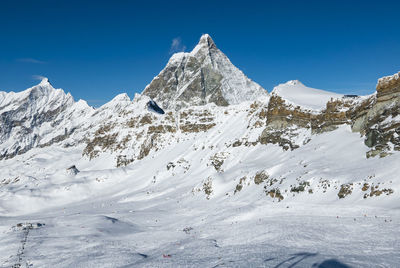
(205, 75)
(294, 83)
(44, 82)
(204, 46)
(44, 87)
(206, 40)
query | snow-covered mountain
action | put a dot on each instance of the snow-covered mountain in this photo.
(37, 117)
(221, 171)
(202, 76)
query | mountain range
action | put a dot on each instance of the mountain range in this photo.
(217, 142)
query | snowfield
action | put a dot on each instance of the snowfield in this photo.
(148, 216)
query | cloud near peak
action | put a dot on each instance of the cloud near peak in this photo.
(177, 46)
(38, 77)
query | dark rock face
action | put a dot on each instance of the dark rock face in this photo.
(72, 170)
(152, 106)
(202, 76)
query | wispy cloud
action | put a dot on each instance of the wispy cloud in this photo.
(38, 77)
(30, 60)
(177, 45)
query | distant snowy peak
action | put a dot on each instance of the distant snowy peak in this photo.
(123, 97)
(37, 116)
(298, 94)
(40, 97)
(294, 83)
(118, 104)
(204, 75)
(45, 81)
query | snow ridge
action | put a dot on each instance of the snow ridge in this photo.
(298, 94)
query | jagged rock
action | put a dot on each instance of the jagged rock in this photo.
(388, 85)
(378, 117)
(72, 170)
(207, 187)
(260, 177)
(345, 190)
(279, 137)
(152, 106)
(123, 160)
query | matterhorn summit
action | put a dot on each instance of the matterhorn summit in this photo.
(204, 75)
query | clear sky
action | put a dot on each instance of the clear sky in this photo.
(97, 49)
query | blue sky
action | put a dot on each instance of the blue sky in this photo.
(97, 49)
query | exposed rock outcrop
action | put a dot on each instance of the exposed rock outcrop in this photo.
(376, 117)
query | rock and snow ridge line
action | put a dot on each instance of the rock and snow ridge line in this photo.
(42, 116)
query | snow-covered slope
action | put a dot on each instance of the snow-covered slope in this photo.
(308, 98)
(204, 75)
(199, 202)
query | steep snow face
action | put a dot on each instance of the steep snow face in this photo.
(202, 76)
(37, 116)
(309, 98)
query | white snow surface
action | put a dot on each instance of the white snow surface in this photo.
(145, 215)
(298, 94)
